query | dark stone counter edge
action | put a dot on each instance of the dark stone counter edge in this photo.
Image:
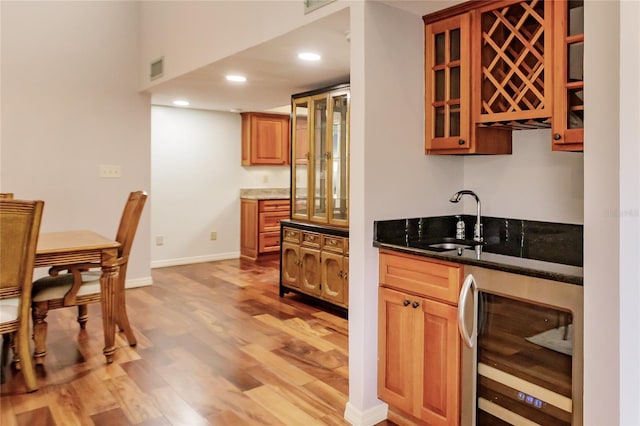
(538, 269)
(311, 227)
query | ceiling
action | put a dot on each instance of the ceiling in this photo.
(272, 68)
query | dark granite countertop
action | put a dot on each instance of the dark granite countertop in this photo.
(540, 249)
(311, 227)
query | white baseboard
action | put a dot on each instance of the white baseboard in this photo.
(195, 259)
(138, 282)
(366, 418)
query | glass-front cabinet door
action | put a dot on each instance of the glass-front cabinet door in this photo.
(339, 156)
(319, 212)
(568, 117)
(447, 91)
(300, 159)
(320, 158)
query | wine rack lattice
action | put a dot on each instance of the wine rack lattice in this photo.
(513, 63)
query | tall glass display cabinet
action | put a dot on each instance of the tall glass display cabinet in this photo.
(314, 253)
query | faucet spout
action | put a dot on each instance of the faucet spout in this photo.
(477, 229)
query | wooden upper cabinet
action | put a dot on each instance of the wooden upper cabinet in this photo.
(568, 118)
(513, 42)
(449, 128)
(265, 139)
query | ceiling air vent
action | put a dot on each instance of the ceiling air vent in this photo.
(156, 68)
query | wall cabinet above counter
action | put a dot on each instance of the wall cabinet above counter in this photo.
(265, 139)
(496, 66)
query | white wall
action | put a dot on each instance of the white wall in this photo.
(533, 182)
(630, 213)
(196, 178)
(70, 103)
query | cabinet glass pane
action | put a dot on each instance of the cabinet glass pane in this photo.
(454, 77)
(339, 157)
(439, 85)
(454, 45)
(575, 112)
(576, 17)
(301, 153)
(319, 158)
(575, 65)
(439, 49)
(454, 120)
(439, 124)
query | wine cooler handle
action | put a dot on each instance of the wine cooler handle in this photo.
(469, 282)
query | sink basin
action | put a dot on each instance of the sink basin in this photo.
(449, 246)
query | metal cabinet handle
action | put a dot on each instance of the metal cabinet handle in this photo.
(460, 141)
(469, 282)
(406, 303)
(415, 304)
(557, 136)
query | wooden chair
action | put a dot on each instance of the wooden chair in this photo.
(19, 230)
(6, 195)
(81, 286)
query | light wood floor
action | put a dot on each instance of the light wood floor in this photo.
(216, 345)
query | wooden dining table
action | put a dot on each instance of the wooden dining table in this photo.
(74, 247)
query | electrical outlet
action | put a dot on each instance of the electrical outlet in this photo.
(159, 240)
(110, 171)
(214, 235)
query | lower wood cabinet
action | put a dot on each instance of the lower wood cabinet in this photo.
(315, 264)
(260, 226)
(419, 346)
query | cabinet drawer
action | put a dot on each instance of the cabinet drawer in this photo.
(269, 241)
(274, 205)
(331, 243)
(424, 277)
(270, 221)
(311, 239)
(291, 235)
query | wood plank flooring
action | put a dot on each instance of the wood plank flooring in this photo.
(216, 346)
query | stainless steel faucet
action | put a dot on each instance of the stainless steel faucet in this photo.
(477, 229)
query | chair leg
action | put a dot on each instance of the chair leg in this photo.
(11, 341)
(83, 316)
(26, 363)
(39, 313)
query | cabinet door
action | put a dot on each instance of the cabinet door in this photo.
(338, 154)
(270, 141)
(249, 228)
(290, 264)
(319, 158)
(437, 398)
(300, 154)
(447, 86)
(397, 352)
(568, 113)
(333, 278)
(310, 274)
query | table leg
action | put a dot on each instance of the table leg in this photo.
(109, 299)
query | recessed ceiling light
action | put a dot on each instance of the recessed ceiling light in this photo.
(181, 102)
(236, 78)
(309, 56)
